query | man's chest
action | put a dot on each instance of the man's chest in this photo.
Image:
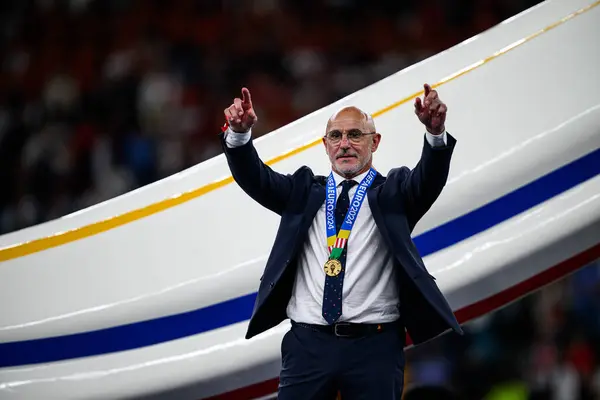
(363, 224)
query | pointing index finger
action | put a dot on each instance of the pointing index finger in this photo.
(246, 98)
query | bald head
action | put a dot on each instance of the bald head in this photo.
(352, 115)
(350, 141)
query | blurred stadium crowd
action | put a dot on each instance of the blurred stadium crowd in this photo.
(545, 346)
(100, 97)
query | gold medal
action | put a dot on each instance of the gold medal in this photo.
(333, 267)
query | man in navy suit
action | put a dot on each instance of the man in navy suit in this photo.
(343, 267)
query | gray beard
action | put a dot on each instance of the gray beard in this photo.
(351, 173)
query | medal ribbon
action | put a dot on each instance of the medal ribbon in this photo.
(336, 243)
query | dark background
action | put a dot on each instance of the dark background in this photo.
(100, 97)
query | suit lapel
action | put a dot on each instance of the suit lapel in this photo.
(372, 192)
(316, 197)
(375, 206)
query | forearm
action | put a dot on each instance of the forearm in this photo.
(258, 180)
(425, 182)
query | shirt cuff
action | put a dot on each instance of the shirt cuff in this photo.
(234, 139)
(440, 140)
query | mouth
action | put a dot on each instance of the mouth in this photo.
(345, 157)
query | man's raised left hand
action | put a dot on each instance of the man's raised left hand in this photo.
(432, 111)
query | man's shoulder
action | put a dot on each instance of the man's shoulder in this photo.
(398, 174)
(305, 174)
(389, 184)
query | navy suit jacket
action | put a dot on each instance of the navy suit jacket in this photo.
(397, 203)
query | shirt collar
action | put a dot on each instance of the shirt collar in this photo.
(339, 179)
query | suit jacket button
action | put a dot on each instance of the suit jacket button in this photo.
(271, 285)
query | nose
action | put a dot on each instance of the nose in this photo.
(345, 142)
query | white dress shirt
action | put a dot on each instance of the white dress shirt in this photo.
(370, 292)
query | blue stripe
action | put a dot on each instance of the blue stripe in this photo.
(509, 205)
(159, 330)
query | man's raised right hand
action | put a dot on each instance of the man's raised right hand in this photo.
(240, 115)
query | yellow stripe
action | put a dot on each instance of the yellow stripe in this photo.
(33, 246)
(344, 233)
(331, 240)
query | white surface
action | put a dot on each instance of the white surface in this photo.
(516, 118)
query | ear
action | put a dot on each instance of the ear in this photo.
(375, 142)
(325, 145)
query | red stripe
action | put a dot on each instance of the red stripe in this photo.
(535, 282)
(249, 392)
(463, 315)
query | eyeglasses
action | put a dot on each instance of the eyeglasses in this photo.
(353, 135)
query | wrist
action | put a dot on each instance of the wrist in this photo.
(240, 130)
(436, 132)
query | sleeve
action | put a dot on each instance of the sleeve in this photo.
(421, 186)
(437, 140)
(269, 188)
(234, 139)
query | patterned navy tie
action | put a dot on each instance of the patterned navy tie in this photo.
(332, 292)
